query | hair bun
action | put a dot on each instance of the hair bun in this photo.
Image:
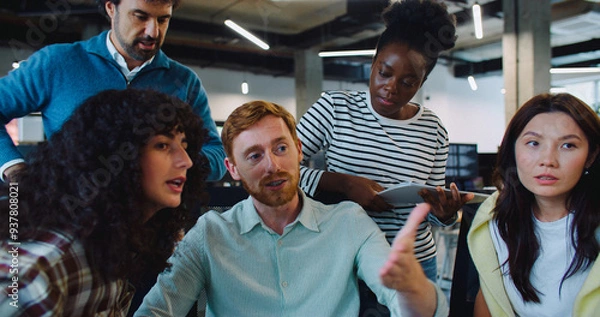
(426, 17)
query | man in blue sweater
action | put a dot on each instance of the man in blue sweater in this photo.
(57, 78)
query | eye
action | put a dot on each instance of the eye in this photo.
(161, 145)
(141, 17)
(254, 157)
(384, 74)
(568, 146)
(532, 143)
(409, 84)
(281, 149)
(163, 20)
(184, 144)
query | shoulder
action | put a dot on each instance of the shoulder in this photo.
(174, 66)
(483, 215)
(345, 97)
(345, 211)
(50, 247)
(428, 115)
(227, 222)
(58, 51)
(50, 260)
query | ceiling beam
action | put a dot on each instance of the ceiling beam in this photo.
(494, 66)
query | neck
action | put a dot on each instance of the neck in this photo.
(549, 210)
(277, 218)
(131, 63)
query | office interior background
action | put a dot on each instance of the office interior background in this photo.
(558, 34)
(291, 72)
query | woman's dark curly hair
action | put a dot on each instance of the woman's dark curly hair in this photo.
(85, 180)
(424, 25)
(515, 202)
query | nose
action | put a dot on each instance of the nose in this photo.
(182, 159)
(152, 29)
(391, 86)
(272, 163)
(548, 157)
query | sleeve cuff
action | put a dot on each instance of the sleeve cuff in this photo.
(9, 164)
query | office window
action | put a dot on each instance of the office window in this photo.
(588, 91)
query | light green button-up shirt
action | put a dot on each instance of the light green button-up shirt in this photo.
(246, 269)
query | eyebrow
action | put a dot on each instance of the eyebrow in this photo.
(148, 14)
(564, 137)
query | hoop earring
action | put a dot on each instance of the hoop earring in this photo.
(586, 172)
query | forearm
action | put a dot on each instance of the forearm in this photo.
(425, 301)
(216, 157)
(334, 182)
(10, 173)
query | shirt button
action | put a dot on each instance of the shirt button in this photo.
(279, 243)
(284, 284)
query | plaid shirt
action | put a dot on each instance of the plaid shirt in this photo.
(51, 277)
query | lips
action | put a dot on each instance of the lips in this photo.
(176, 184)
(147, 44)
(385, 102)
(546, 179)
(274, 184)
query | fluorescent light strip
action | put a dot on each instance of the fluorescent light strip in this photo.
(245, 87)
(472, 83)
(575, 70)
(347, 53)
(246, 34)
(477, 21)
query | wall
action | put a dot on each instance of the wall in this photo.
(470, 116)
(224, 89)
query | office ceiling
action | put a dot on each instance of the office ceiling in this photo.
(198, 36)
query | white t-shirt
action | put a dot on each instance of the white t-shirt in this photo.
(556, 254)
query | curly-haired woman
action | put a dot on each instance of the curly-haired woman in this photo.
(101, 204)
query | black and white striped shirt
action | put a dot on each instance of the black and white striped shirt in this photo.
(358, 141)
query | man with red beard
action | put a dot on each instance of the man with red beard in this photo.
(58, 78)
(280, 253)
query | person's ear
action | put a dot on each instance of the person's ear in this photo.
(229, 164)
(592, 158)
(110, 9)
(299, 147)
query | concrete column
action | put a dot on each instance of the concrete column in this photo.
(308, 68)
(526, 51)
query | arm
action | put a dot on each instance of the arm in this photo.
(417, 295)
(22, 92)
(444, 207)
(358, 189)
(179, 287)
(315, 129)
(11, 171)
(481, 309)
(213, 147)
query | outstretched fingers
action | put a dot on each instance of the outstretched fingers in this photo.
(402, 271)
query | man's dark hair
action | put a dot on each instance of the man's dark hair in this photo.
(175, 3)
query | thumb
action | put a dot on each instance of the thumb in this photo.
(409, 231)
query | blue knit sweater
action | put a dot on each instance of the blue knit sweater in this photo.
(58, 78)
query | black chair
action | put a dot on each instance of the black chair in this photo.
(465, 281)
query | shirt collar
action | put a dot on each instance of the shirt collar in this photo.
(121, 60)
(306, 217)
